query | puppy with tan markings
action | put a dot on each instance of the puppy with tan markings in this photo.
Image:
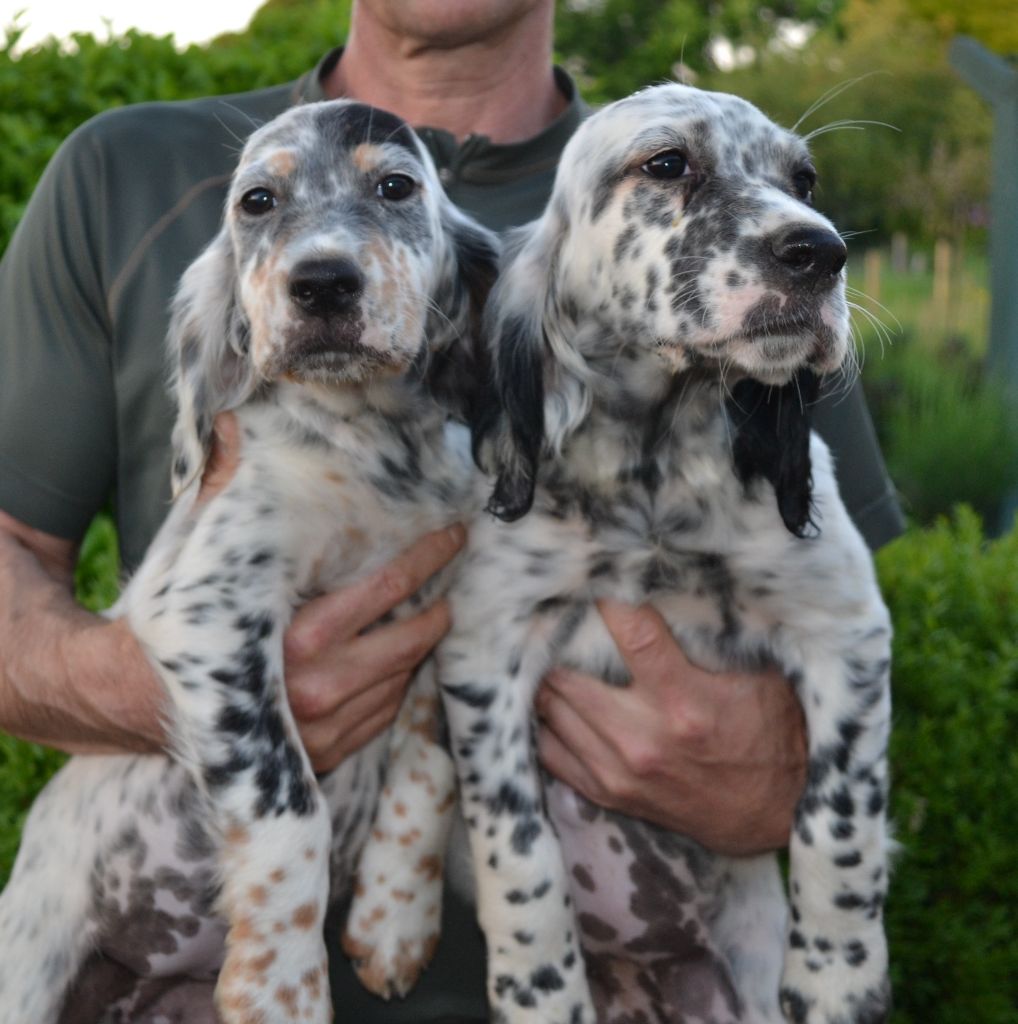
(334, 312)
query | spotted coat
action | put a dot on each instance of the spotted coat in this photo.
(334, 312)
(658, 337)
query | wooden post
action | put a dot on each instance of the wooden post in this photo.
(941, 287)
(996, 80)
(899, 252)
(871, 272)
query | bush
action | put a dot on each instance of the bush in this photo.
(943, 428)
(953, 904)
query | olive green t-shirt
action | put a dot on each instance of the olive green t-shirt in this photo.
(125, 205)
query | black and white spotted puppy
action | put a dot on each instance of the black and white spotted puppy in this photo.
(334, 312)
(657, 339)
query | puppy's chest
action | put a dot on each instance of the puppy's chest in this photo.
(678, 546)
(350, 499)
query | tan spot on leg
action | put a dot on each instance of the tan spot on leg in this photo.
(278, 875)
(306, 916)
(244, 931)
(312, 980)
(399, 809)
(403, 895)
(286, 995)
(310, 854)
(258, 895)
(429, 866)
(409, 838)
(258, 965)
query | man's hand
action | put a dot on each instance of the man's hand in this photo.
(345, 686)
(718, 757)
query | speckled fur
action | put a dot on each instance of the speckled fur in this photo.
(220, 858)
(657, 340)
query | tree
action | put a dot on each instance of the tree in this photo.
(616, 46)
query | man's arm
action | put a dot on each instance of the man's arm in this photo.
(81, 683)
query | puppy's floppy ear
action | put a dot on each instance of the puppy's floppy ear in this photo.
(458, 358)
(208, 340)
(508, 428)
(772, 431)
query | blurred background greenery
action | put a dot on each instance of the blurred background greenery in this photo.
(902, 148)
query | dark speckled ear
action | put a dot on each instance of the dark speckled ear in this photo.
(458, 361)
(208, 341)
(508, 429)
(772, 431)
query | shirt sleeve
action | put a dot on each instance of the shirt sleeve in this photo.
(843, 421)
(57, 401)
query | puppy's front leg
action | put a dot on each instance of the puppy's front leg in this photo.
(213, 623)
(535, 966)
(836, 964)
(393, 924)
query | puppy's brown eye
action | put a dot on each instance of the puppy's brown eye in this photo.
(395, 186)
(804, 181)
(257, 201)
(667, 165)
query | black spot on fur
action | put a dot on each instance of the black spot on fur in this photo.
(772, 431)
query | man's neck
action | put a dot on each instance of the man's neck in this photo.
(499, 84)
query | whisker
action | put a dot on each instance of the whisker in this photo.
(848, 124)
(832, 94)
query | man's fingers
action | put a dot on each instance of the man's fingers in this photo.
(558, 759)
(645, 642)
(575, 731)
(325, 757)
(403, 645)
(347, 611)
(603, 709)
(317, 690)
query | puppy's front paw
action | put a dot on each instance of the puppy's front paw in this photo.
(844, 982)
(270, 978)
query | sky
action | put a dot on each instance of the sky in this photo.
(188, 20)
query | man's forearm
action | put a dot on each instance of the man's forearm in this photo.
(68, 678)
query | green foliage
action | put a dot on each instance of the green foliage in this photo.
(48, 91)
(943, 426)
(97, 576)
(943, 429)
(616, 46)
(992, 22)
(921, 163)
(953, 904)
(24, 770)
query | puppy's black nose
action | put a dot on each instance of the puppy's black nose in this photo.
(809, 255)
(324, 287)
